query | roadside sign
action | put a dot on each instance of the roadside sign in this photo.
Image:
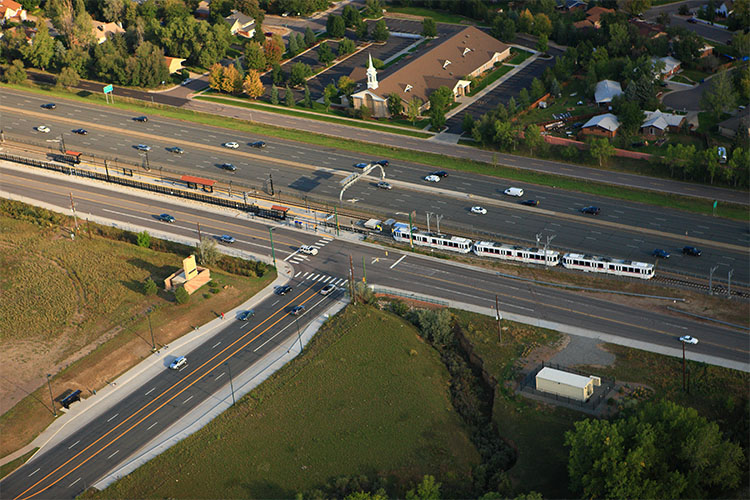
(107, 89)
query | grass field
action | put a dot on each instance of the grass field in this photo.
(519, 56)
(487, 80)
(440, 16)
(78, 313)
(367, 396)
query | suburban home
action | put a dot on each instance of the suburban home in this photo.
(203, 10)
(648, 30)
(571, 5)
(658, 123)
(605, 125)
(671, 66)
(729, 127)
(174, 64)
(605, 91)
(11, 10)
(240, 24)
(451, 63)
(706, 50)
(102, 31)
(593, 18)
(726, 8)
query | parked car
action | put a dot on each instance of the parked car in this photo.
(327, 289)
(530, 203)
(231, 145)
(246, 315)
(513, 191)
(176, 150)
(440, 173)
(360, 165)
(383, 163)
(49, 105)
(384, 185)
(283, 290)
(297, 310)
(43, 129)
(225, 238)
(308, 249)
(228, 166)
(695, 252)
(166, 218)
(178, 363)
(432, 178)
(688, 339)
(80, 131)
(660, 253)
(258, 144)
(142, 147)
(142, 119)
(591, 210)
(478, 210)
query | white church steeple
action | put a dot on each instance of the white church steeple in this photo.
(372, 77)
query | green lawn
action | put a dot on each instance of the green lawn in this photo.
(519, 56)
(366, 397)
(476, 87)
(693, 74)
(682, 79)
(440, 16)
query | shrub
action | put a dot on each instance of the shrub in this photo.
(143, 239)
(181, 295)
(149, 287)
(398, 306)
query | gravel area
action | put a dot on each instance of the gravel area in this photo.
(583, 350)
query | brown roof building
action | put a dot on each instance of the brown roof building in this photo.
(468, 53)
(593, 18)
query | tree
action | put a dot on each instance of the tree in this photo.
(537, 88)
(429, 28)
(82, 29)
(427, 489)
(255, 58)
(307, 99)
(231, 81)
(346, 47)
(274, 94)
(512, 106)
(252, 85)
(619, 40)
(532, 137)
(292, 46)
(274, 50)
(351, 16)
(395, 107)
(659, 450)
(299, 73)
(412, 109)
(16, 73)
(711, 163)
(380, 32)
(289, 98)
(346, 85)
(542, 24)
(738, 166)
(525, 21)
(373, 8)
(113, 10)
(277, 75)
(335, 26)
(327, 101)
(720, 97)
(362, 30)
(629, 113)
(635, 7)
(542, 44)
(601, 150)
(143, 239)
(149, 287)
(207, 252)
(325, 54)
(440, 99)
(554, 88)
(68, 78)
(468, 123)
(523, 99)
(309, 37)
(686, 46)
(365, 112)
(42, 48)
(181, 296)
(505, 135)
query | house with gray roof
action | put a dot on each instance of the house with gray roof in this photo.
(240, 24)
(605, 91)
(659, 123)
(605, 125)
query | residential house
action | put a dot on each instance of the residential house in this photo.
(203, 10)
(12, 11)
(174, 64)
(729, 127)
(605, 91)
(571, 5)
(726, 8)
(102, 31)
(671, 66)
(451, 63)
(240, 24)
(593, 18)
(605, 125)
(648, 30)
(658, 123)
(706, 50)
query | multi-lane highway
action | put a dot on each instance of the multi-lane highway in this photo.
(315, 172)
(83, 457)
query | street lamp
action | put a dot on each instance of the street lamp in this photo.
(411, 238)
(273, 252)
(54, 410)
(153, 344)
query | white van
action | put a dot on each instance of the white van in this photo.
(511, 191)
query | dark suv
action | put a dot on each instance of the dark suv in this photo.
(695, 252)
(283, 290)
(591, 210)
(166, 218)
(141, 118)
(50, 105)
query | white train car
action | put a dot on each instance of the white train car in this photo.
(433, 240)
(619, 267)
(516, 253)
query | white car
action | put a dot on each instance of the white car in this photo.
(511, 191)
(432, 178)
(327, 289)
(43, 129)
(688, 339)
(143, 147)
(178, 363)
(309, 250)
(231, 145)
(478, 210)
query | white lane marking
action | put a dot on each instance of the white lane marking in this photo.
(676, 326)
(216, 345)
(74, 482)
(72, 445)
(321, 277)
(287, 326)
(298, 273)
(291, 255)
(399, 260)
(38, 469)
(275, 303)
(151, 426)
(222, 374)
(188, 399)
(152, 390)
(115, 453)
(113, 417)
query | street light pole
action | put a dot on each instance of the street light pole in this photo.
(153, 344)
(54, 410)
(711, 279)
(231, 385)
(273, 252)
(729, 284)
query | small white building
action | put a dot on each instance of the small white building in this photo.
(605, 91)
(566, 384)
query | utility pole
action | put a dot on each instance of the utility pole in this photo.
(538, 238)
(270, 178)
(62, 143)
(499, 318)
(230, 190)
(299, 336)
(549, 240)
(729, 284)
(200, 237)
(231, 385)
(437, 219)
(711, 280)
(54, 410)
(106, 169)
(429, 214)
(336, 213)
(73, 208)
(351, 281)
(364, 271)
(153, 344)
(273, 252)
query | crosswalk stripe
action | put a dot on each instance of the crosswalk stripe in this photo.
(328, 279)
(298, 273)
(321, 277)
(314, 277)
(305, 275)
(327, 239)
(339, 282)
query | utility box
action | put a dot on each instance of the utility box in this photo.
(565, 384)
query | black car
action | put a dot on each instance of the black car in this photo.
(50, 105)
(246, 315)
(258, 144)
(141, 118)
(283, 290)
(660, 253)
(591, 210)
(530, 203)
(297, 310)
(228, 166)
(382, 163)
(166, 218)
(440, 173)
(81, 131)
(695, 252)
(176, 150)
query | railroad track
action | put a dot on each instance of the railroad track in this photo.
(718, 289)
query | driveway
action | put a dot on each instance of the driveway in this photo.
(687, 100)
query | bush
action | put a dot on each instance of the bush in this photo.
(363, 293)
(398, 306)
(143, 239)
(207, 252)
(16, 73)
(181, 295)
(149, 287)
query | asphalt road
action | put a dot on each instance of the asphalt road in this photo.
(315, 172)
(65, 470)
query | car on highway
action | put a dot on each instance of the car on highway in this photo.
(228, 166)
(257, 144)
(530, 203)
(282, 290)
(591, 210)
(688, 339)
(142, 147)
(308, 249)
(360, 165)
(231, 145)
(297, 310)
(176, 150)
(327, 289)
(384, 185)
(432, 178)
(246, 315)
(49, 105)
(383, 163)
(225, 238)
(43, 129)
(660, 253)
(178, 363)
(695, 252)
(80, 131)
(142, 119)
(692, 20)
(479, 210)
(166, 218)
(440, 173)
(514, 191)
